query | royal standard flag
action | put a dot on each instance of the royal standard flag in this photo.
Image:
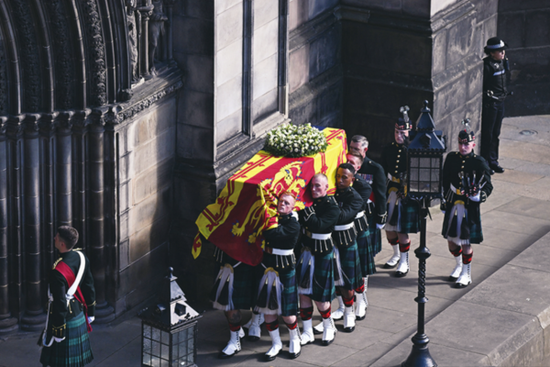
(235, 222)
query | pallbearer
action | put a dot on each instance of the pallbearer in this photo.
(364, 244)
(466, 184)
(315, 268)
(277, 293)
(403, 212)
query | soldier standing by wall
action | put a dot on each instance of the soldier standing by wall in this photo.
(496, 74)
(71, 310)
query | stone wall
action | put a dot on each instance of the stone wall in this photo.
(401, 53)
(146, 149)
(524, 25)
(315, 70)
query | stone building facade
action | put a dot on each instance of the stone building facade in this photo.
(124, 118)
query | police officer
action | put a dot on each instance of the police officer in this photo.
(466, 184)
(403, 213)
(315, 268)
(496, 74)
(373, 173)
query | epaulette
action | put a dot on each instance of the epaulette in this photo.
(333, 199)
(56, 262)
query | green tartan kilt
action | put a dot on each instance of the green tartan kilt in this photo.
(409, 218)
(74, 351)
(289, 297)
(474, 223)
(375, 235)
(351, 266)
(245, 285)
(366, 254)
(323, 277)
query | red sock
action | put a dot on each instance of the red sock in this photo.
(348, 301)
(272, 325)
(325, 314)
(292, 326)
(361, 288)
(457, 252)
(234, 327)
(394, 241)
(404, 247)
(467, 258)
(306, 313)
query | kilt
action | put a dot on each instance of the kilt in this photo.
(290, 293)
(366, 254)
(375, 235)
(323, 277)
(74, 351)
(408, 214)
(245, 285)
(351, 266)
(475, 235)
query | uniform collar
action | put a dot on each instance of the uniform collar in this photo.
(318, 200)
(345, 190)
(467, 155)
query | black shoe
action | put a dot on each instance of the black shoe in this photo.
(497, 168)
(491, 171)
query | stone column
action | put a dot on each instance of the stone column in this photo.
(63, 169)
(96, 182)
(34, 316)
(7, 322)
(145, 12)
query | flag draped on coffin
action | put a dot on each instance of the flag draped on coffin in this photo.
(235, 222)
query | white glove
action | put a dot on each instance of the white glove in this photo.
(295, 215)
(476, 198)
(380, 226)
(58, 340)
(91, 319)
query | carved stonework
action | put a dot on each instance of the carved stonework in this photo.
(29, 55)
(116, 117)
(156, 29)
(131, 8)
(63, 51)
(96, 53)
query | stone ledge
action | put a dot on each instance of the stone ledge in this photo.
(500, 322)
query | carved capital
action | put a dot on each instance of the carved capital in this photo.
(64, 123)
(81, 120)
(15, 126)
(47, 123)
(31, 124)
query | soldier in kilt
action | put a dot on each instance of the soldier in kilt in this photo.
(233, 290)
(277, 292)
(66, 341)
(316, 264)
(364, 243)
(373, 173)
(466, 184)
(403, 213)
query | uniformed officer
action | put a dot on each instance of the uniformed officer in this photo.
(277, 293)
(364, 244)
(496, 74)
(403, 212)
(70, 314)
(315, 269)
(466, 184)
(373, 173)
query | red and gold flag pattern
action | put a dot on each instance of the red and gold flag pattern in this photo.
(235, 222)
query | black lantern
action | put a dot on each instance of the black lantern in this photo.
(425, 156)
(169, 329)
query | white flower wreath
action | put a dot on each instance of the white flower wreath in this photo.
(295, 141)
